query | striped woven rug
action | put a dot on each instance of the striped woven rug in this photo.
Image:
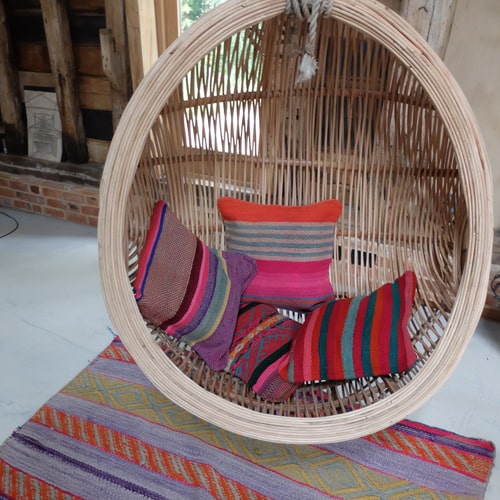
(110, 435)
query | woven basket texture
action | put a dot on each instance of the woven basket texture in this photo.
(382, 126)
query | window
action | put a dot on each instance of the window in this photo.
(191, 10)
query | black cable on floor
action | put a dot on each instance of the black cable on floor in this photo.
(15, 222)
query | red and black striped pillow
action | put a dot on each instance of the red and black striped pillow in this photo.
(363, 336)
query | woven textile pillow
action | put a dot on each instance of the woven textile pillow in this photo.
(293, 247)
(189, 289)
(362, 336)
(263, 336)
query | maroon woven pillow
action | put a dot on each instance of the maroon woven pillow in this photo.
(263, 336)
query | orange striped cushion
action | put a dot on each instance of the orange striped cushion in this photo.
(363, 336)
(292, 245)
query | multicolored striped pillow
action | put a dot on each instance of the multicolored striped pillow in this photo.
(293, 247)
(262, 337)
(363, 336)
(189, 289)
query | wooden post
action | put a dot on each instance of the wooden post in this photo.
(142, 41)
(115, 62)
(10, 92)
(432, 19)
(62, 62)
(167, 22)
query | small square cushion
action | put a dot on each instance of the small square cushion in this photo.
(363, 336)
(189, 289)
(293, 248)
(263, 336)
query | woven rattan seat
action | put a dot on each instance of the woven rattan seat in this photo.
(382, 126)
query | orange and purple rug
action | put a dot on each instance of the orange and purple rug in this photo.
(109, 434)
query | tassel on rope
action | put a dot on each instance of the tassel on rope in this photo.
(308, 10)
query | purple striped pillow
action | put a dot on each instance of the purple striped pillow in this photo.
(292, 245)
(363, 336)
(189, 289)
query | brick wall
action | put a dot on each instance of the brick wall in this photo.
(63, 200)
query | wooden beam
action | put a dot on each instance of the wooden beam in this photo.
(167, 22)
(392, 4)
(432, 19)
(114, 72)
(98, 150)
(115, 61)
(62, 62)
(10, 92)
(142, 40)
(95, 92)
(33, 56)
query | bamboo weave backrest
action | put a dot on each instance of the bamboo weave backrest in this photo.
(363, 130)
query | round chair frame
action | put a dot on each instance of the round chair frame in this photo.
(409, 166)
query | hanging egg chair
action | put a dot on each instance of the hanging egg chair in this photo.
(234, 109)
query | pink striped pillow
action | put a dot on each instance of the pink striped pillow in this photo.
(292, 245)
(363, 336)
(189, 289)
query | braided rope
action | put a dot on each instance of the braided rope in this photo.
(309, 10)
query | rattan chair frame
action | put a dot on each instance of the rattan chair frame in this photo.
(431, 214)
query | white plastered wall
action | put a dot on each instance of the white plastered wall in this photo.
(473, 56)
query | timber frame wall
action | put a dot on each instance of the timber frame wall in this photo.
(93, 54)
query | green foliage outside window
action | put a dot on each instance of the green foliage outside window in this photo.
(191, 10)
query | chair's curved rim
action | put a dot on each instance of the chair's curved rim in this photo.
(389, 29)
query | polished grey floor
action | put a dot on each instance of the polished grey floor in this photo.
(53, 322)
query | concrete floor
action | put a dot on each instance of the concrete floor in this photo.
(54, 323)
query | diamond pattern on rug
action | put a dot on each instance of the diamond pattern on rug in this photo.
(110, 434)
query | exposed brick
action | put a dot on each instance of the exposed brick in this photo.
(19, 186)
(93, 211)
(76, 217)
(21, 205)
(61, 200)
(93, 221)
(52, 192)
(54, 212)
(93, 201)
(73, 197)
(32, 198)
(7, 192)
(56, 203)
(6, 202)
